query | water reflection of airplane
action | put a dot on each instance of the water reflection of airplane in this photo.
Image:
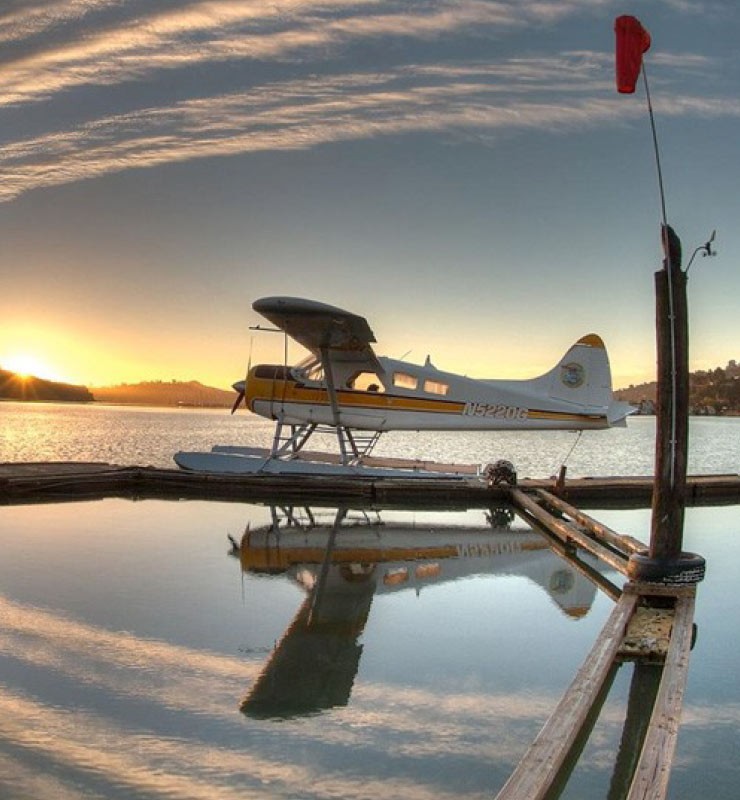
(343, 565)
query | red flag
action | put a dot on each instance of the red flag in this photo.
(632, 41)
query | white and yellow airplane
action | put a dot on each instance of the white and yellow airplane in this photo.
(345, 387)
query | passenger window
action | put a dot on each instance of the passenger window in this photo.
(436, 387)
(405, 381)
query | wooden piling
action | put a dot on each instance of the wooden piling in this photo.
(671, 444)
(665, 560)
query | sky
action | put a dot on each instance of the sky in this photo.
(461, 173)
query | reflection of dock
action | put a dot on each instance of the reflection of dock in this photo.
(342, 567)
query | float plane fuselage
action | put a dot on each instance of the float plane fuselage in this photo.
(345, 388)
(344, 383)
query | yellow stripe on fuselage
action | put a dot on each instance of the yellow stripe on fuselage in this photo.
(268, 390)
(563, 415)
(278, 391)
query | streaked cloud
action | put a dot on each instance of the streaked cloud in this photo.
(132, 45)
(468, 100)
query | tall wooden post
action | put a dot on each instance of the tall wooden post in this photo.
(666, 562)
(672, 428)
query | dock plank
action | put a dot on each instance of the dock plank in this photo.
(626, 544)
(567, 532)
(654, 768)
(36, 482)
(541, 764)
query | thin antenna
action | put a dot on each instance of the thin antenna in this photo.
(664, 216)
(669, 272)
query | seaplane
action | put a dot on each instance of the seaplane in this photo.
(345, 389)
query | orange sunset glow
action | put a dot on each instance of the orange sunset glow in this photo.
(27, 365)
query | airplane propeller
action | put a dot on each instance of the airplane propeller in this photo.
(240, 387)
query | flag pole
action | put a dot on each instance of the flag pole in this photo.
(670, 267)
(665, 562)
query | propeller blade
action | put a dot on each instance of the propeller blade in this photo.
(238, 401)
(240, 387)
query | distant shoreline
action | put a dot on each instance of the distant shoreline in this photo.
(107, 403)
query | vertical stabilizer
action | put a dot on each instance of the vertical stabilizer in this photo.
(583, 376)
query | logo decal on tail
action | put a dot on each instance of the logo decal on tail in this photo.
(573, 375)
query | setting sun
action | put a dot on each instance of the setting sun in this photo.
(26, 365)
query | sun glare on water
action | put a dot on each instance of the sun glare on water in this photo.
(26, 365)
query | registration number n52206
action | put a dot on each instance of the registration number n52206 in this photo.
(494, 410)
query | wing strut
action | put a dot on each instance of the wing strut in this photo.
(331, 389)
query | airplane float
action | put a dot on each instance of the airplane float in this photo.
(344, 388)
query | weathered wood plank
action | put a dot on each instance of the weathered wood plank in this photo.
(546, 755)
(654, 768)
(567, 532)
(57, 481)
(625, 543)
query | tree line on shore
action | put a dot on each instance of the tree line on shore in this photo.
(712, 392)
(715, 391)
(20, 387)
(157, 393)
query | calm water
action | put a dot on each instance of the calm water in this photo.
(140, 659)
(141, 436)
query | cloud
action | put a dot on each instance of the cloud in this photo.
(214, 32)
(60, 53)
(558, 94)
(93, 48)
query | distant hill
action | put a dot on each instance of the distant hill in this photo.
(161, 393)
(715, 391)
(15, 387)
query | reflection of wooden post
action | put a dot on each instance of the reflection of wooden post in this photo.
(643, 691)
(665, 561)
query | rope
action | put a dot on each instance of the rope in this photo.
(570, 452)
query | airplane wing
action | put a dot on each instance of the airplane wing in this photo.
(318, 326)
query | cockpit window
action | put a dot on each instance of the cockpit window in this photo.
(366, 382)
(275, 372)
(310, 369)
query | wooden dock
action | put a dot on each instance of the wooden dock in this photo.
(60, 481)
(549, 759)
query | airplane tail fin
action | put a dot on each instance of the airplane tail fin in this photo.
(583, 377)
